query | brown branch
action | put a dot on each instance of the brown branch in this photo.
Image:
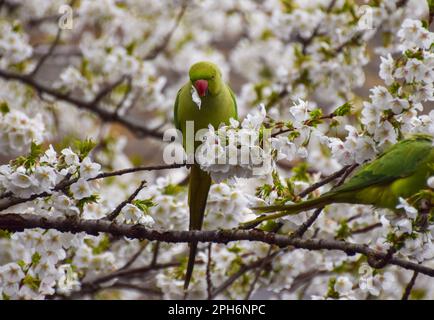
(366, 229)
(18, 222)
(125, 285)
(47, 54)
(324, 181)
(137, 128)
(134, 256)
(155, 254)
(107, 90)
(66, 183)
(243, 269)
(161, 47)
(409, 286)
(307, 276)
(306, 123)
(306, 42)
(137, 169)
(307, 224)
(343, 173)
(258, 273)
(209, 285)
(126, 95)
(95, 285)
(113, 215)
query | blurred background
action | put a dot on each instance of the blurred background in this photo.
(270, 52)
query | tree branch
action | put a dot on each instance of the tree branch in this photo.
(18, 222)
(47, 54)
(165, 42)
(66, 183)
(409, 286)
(209, 285)
(113, 215)
(137, 128)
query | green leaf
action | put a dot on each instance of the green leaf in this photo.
(82, 202)
(415, 54)
(332, 293)
(394, 87)
(130, 48)
(144, 204)
(36, 257)
(36, 150)
(288, 5)
(21, 263)
(29, 161)
(418, 294)
(172, 189)
(344, 231)
(84, 69)
(32, 282)
(264, 190)
(4, 107)
(102, 245)
(315, 114)
(343, 110)
(84, 147)
(300, 172)
(5, 234)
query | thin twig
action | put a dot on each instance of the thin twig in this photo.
(67, 182)
(409, 286)
(113, 215)
(47, 54)
(161, 47)
(366, 229)
(137, 128)
(107, 90)
(155, 254)
(135, 256)
(126, 95)
(324, 181)
(209, 285)
(258, 274)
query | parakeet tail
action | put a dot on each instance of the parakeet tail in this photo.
(199, 185)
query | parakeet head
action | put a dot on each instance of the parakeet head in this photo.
(206, 78)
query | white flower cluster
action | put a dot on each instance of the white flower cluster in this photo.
(290, 146)
(236, 151)
(171, 211)
(40, 270)
(413, 34)
(14, 46)
(132, 214)
(227, 207)
(398, 109)
(50, 168)
(17, 131)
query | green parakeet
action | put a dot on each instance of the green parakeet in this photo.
(401, 171)
(217, 105)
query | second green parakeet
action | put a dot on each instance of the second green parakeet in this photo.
(217, 105)
(401, 171)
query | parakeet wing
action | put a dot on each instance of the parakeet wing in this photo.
(401, 160)
(235, 101)
(175, 111)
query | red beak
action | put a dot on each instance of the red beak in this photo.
(201, 87)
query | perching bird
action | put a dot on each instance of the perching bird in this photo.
(217, 105)
(401, 171)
